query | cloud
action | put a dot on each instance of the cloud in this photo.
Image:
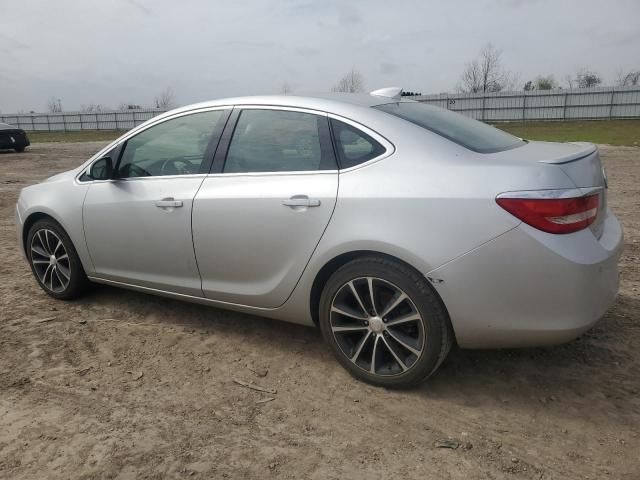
(307, 51)
(10, 42)
(349, 16)
(143, 8)
(129, 50)
(386, 68)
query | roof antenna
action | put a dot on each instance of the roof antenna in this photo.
(390, 92)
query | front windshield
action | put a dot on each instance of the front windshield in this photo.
(465, 131)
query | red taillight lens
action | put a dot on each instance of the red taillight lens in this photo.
(557, 215)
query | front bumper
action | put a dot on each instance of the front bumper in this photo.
(19, 219)
(530, 288)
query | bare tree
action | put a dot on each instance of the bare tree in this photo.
(286, 89)
(626, 79)
(569, 80)
(54, 105)
(165, 100)
(352, 82)
(485, 73)
(588, 79)
(92, 108)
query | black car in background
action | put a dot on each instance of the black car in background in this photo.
(13, 138)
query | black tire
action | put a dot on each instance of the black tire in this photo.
(19, 149)
(437, 334)
(78, 283)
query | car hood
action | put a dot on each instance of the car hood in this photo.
(61, 176)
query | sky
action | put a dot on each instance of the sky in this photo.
(111, 52)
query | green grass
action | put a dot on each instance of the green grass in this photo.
(81, 136)
(613, 132)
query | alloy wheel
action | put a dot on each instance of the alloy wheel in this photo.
(50, 260)
(377, 326)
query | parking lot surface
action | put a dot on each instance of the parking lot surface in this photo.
(126, 385)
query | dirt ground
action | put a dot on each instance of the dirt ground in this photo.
(125, 385)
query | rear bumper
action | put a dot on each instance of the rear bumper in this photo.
(530, 288)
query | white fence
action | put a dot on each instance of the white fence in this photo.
(570, 104)
(74, 121)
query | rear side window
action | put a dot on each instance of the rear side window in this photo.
(465, 131)
(279, 141)
(353, 146)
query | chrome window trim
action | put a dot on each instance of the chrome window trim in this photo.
(157, 177)
(282, 107)
(135, 131)
(270, 174)
(388, 146)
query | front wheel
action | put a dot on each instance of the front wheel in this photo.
(19, 149)
(384, 322)
(54, 261)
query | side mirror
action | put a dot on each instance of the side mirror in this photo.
(102, 169)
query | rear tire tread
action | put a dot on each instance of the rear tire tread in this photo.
(435, 308)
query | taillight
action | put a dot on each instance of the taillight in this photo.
(554, 215)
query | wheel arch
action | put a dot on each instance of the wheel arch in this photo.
(32, 218)
(338, 261)
(30, 221)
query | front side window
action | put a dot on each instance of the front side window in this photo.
(278, 141)
(174, 147)
(465, 131)
(354, 146)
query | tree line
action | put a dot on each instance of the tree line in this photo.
(483, 74)
(165, 100)
(486, 73)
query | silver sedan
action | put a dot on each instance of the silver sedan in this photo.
(396, 227)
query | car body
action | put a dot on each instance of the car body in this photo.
(266, 242)
(13, 138)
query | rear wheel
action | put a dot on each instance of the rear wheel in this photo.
(54, 261)
(384, 323)
(19, 149)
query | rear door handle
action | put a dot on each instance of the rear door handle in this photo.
(169, 203)
(301, 201)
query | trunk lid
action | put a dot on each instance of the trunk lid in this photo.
(579, 161)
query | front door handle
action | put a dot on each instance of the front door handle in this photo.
(169, 202)
(301, 201)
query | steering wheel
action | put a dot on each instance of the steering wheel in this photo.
(133, 170)
(177, 166)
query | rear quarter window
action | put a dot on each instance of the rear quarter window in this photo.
(353, 146)
(471, 134)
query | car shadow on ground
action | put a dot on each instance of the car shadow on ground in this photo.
(497, 375)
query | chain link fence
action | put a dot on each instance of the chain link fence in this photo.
(75, 121)
(570, 104)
